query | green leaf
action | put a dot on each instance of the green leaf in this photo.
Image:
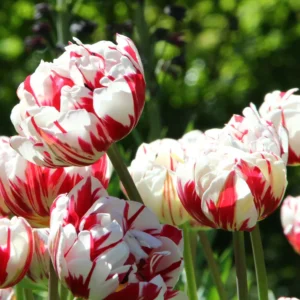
(26, 283)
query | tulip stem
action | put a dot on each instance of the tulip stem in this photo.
(64, 292)
(122, 171)
(209, 255)
(28, 294)
(70, 296)
(52, 284)
(19, 292)
(260, 266)
(189, 264)
(61, 20)
(240, 265)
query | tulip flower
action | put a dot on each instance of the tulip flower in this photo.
(39, 266)
(192, 142)
(99, 244)
(29, 190)
(153, 171)
(4, 211)
(232, 189)
(290, 220)
(196, 142)
(7, 294)
(73, 109)
(251, 133)
(16, 248)
(154, 289)
(283, 109)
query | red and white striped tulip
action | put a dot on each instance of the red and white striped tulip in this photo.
(29, 190)
(197, 142)
(232, 189)
(290, 220)
(153, 172)
(7, 294)
(283, 109)
(4, 211)
(16, 248)
(73, 109)
(156, 276)
(99, 244)
(251, 133)
(154, 289)
(4, 141)
(39, 266)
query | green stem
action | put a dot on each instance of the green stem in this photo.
(207, 250)
(64, 292)
(240, 265)
(189, 264)
(194, 242)
(147, 52)
(122, 171)
(52, 284)
(259, 261)
(70, 296)
(19, 292)
(28, 294)
(62, 22)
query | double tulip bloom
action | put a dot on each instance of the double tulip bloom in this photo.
(283, 109)
(70, 112)
(153, 171)
(106, 248)
(197, 142)
(28, 190)
(73, 109)
(240, 180)
(290, 220)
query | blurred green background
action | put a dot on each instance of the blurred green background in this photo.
(204, 60)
